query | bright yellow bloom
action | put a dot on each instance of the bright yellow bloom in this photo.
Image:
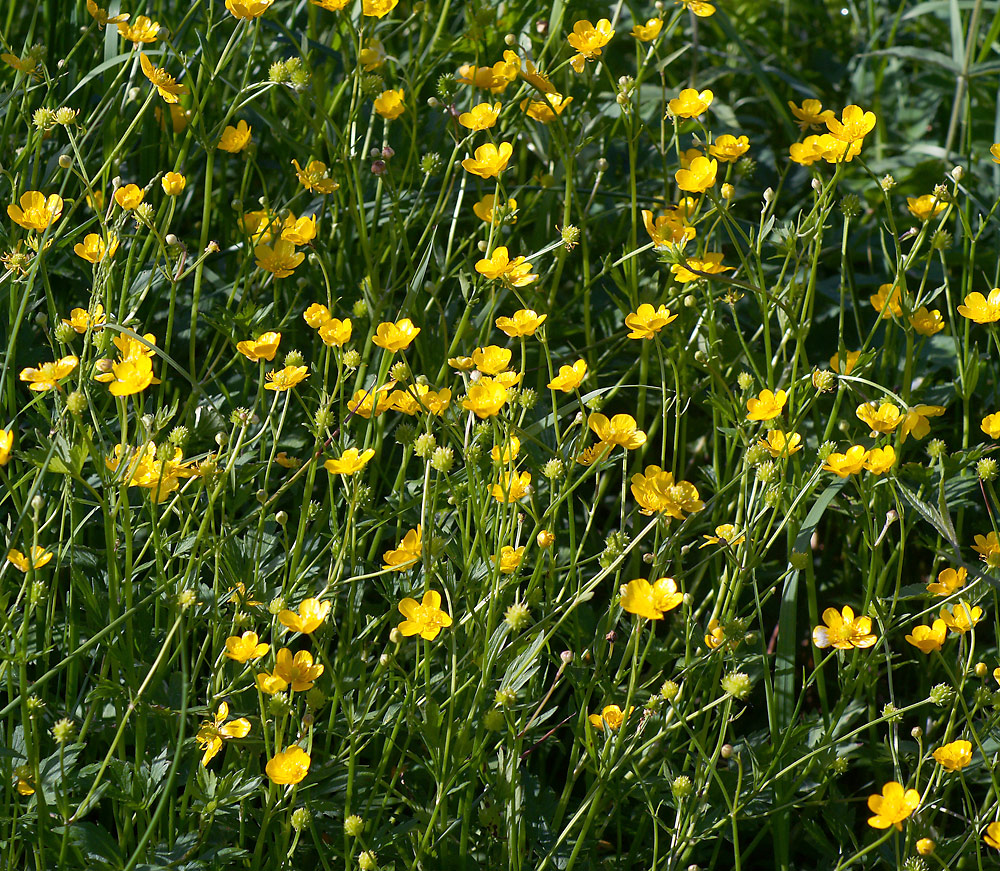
(878, 461)
(766, 405)
(389, 104)
(28, 65)
(849, 463)
(886, 301)
(620, 431)
(336, 332)
(927, 323)
(915, 421)
(925, 207)
(488, 211)
(406, 554)
(981, 309)
(143, 29)
(489, 160)
(396, 336)
(101, 15)
(948, 581)
(569, 377)
(928, 638)
(419, 399)
(848, 366)
(670, 228)
(315, 177)
(780, 444)
(589, 40)
(36, 211)
(297, 671)
(988, 547)
(316, 315)
(810, 114)
(699, 178)
(699, 7)
(264, 347)
(546, 109)
(486, 397)
(350, 462)
(893, 806)
(281, 380)
(649, 31)
(235, 139)
(372, 56)
(173, 184)
(513, 273)
(611, 716)
(211, 734)
(808, 152)
(366, 403)
(280, 259)
(425, 618)
(81, 320)
(243, 648)
(47, 375)
(291, 765)
(524, 322)
(129, 196)
(689, 270)
(166, 85)
(145, 469)
(6, 443)
(991, 425)
(879, 418)
(729, 148)
(961, 618)
(588, 456)
(725, 534)
(854, 124)
(378, 8)
(992, 835)
(299, 231)
(248, 8)
(511, 487)
(481, 117)
(508, 559)
(330, 5)
(93, 248)
(650, 600)
(312, 613)
(129, 375)
(492, 359)
(656, 491)
(690, 103)
(39, 557)
(954, 756)
(645, 322)
(843, 630)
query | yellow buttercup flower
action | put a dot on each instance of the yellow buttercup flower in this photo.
(988, 547)
(316, 315)
(893, 806)
(849, 463)
(312, 612)
(143, 29)
(645, 322)
(489, 212)
(513, 273)
(691, 103)
(992, 834)
(848, 365)
(297, 672)
(880, 418)
(486, 397)
(546, 109)
(129, 196)
(243, 648)
(389, 104)
(396, 336)
(699, 7)
(81, 320)
(649, 31)
(843, 630)
(524, 322)
(489, 160)
(419, 398)
(366, 403)
(589, 40)
(728, 148)
(569, 377)
(650, 600)
(281, 380)
(330, 5)
(699, 177)
(480, 117)
(315, 177)
(915, 421)
(673, 227)
(129, 375)
(925, 207)
(211, 734)
(948, 581)
(6, 443)
(886, 301)
(39, 557)
(279, 259)
(289, 766)
(101, 15)
(620, 431)
(47, 376)
(927, 639)
(991, 425)
(35, 211)
(927, 323)
(299, 231)
(349, 462)
(378, 8)
(710, 264)
(246, 9)
(511, 487)
(506, 453)
(425, 618)
(810, 114)
(978, 308)
(725, 534)
(173, 184)
(264, 347)
(508, 559)
(961, 618)
(767, 405)
(780, 444)
(657, 492)
(854, 124)
(235, 139)
(492, 359)
(954, 756)
(878, 461)
(406, 554)
(94, 249)
(372, 55)
(611, 716)
(166, 85)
